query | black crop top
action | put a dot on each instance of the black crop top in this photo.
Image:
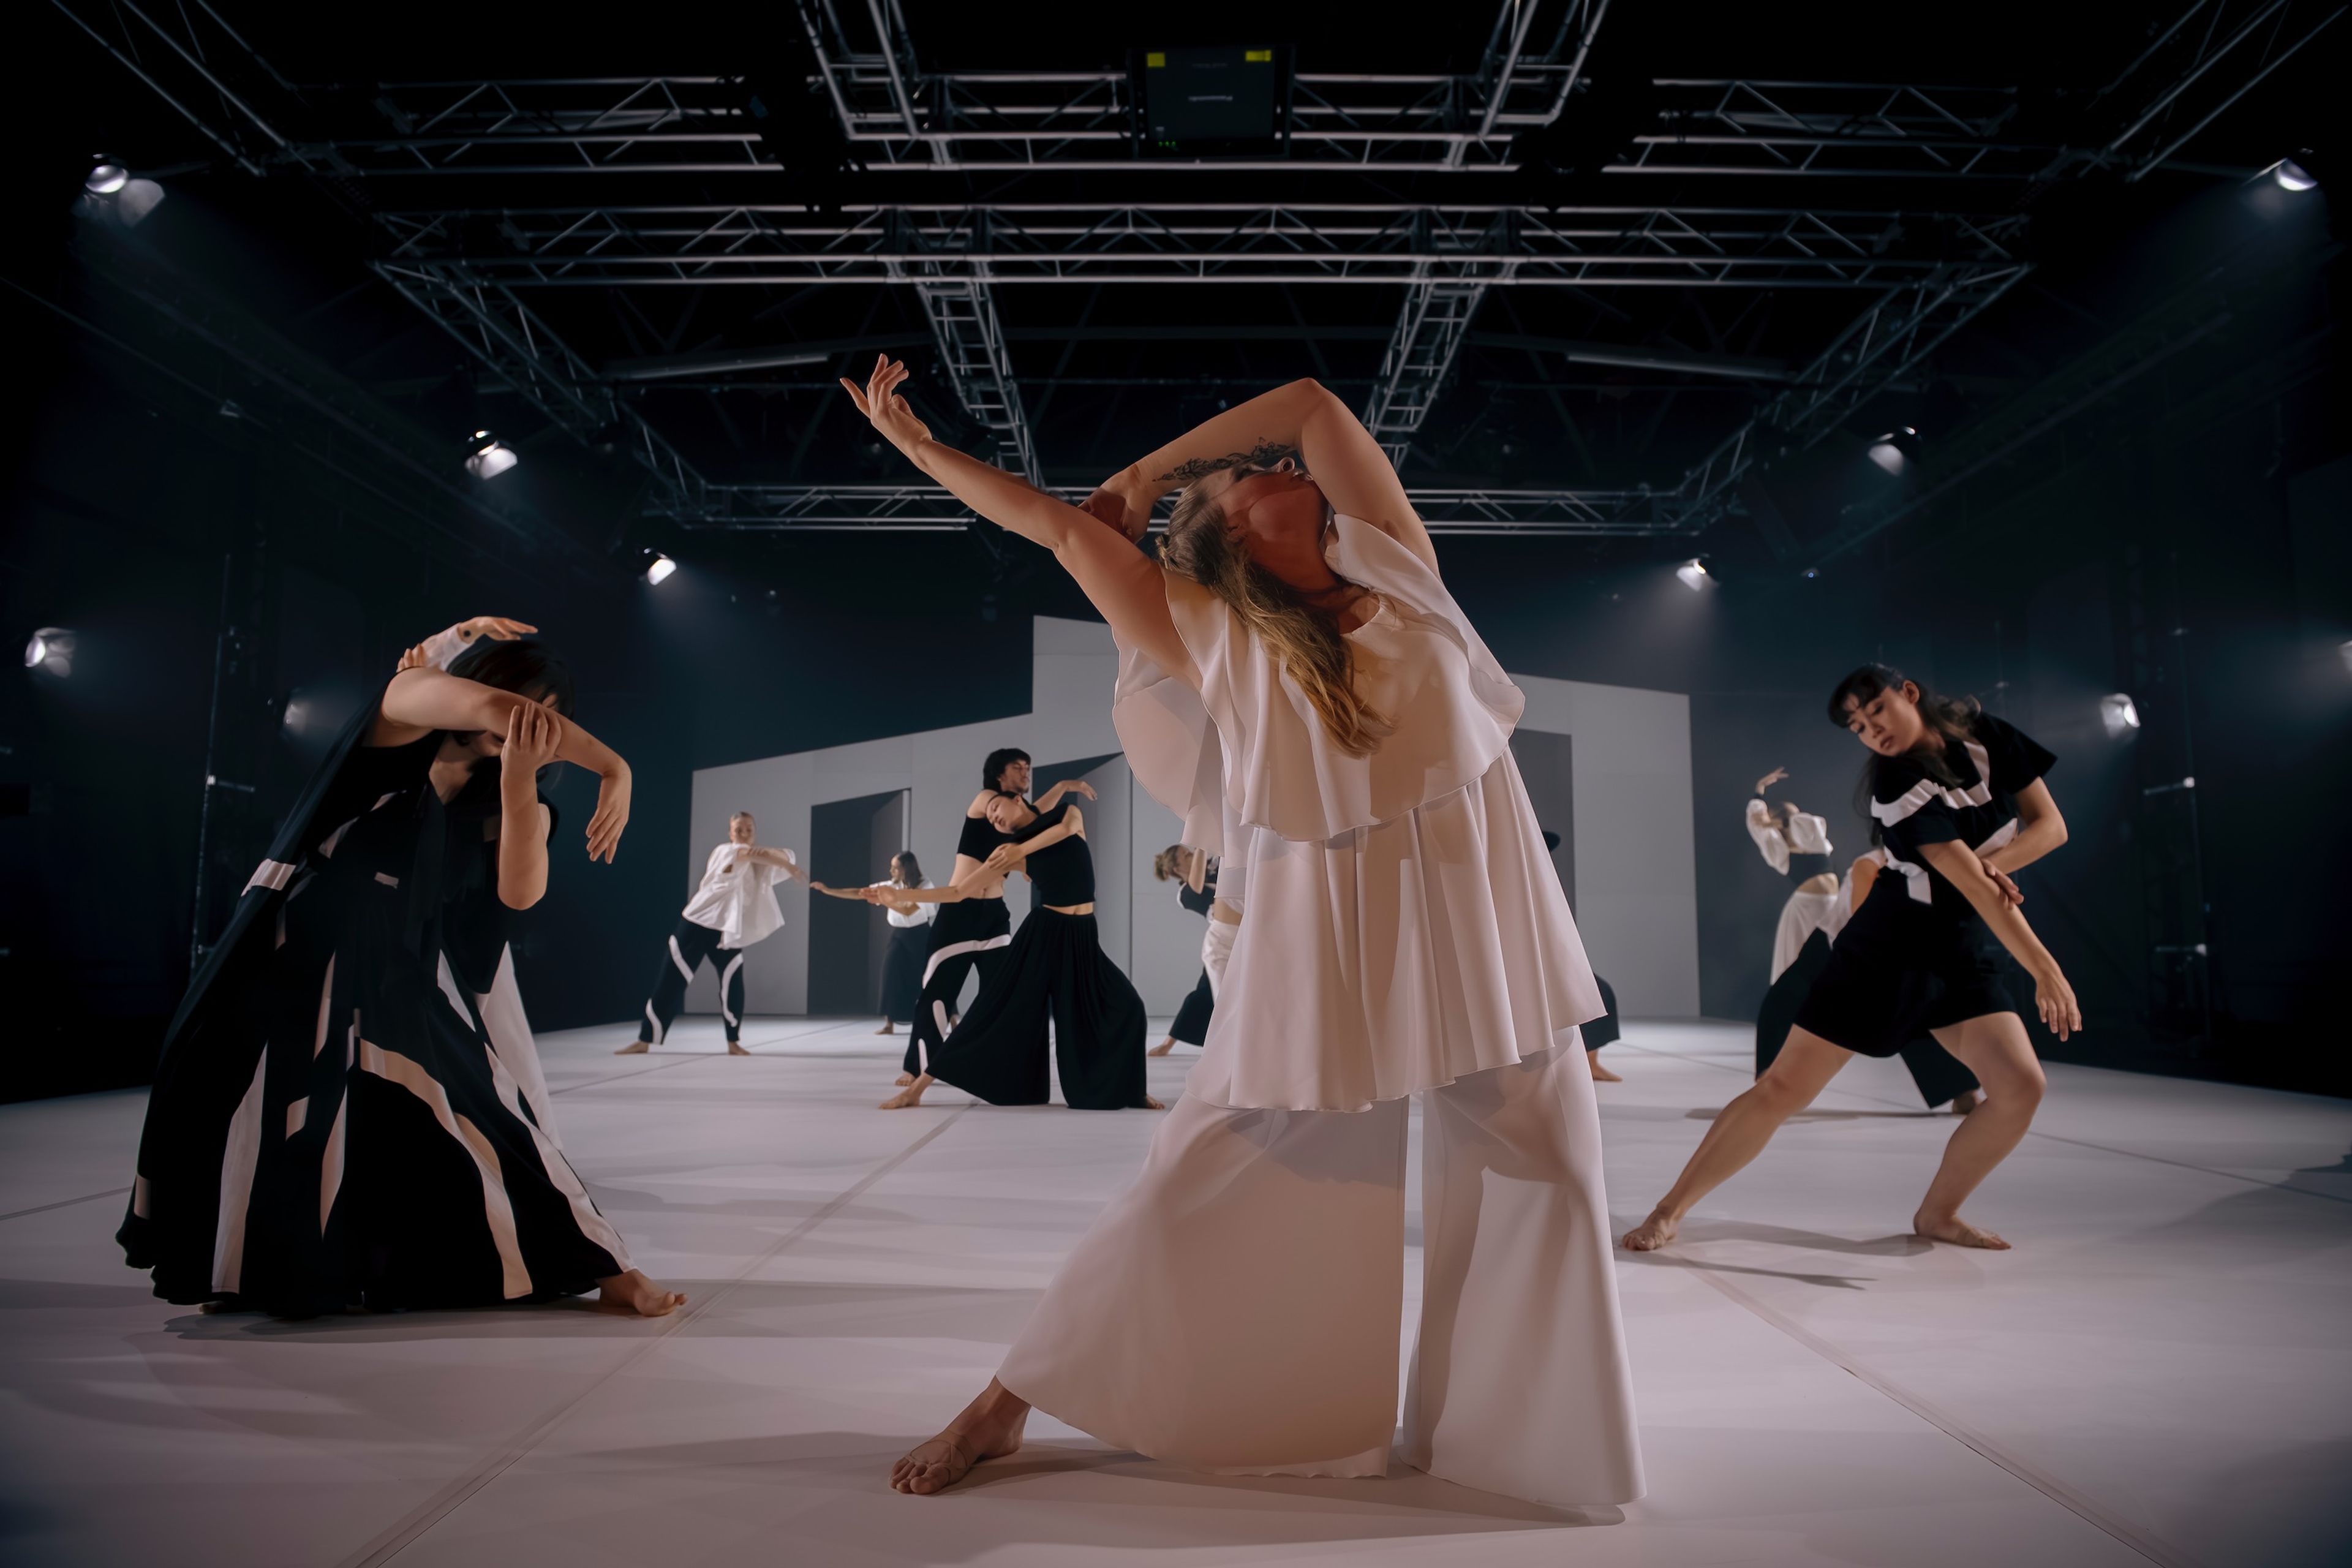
(1060, 874)
(979, 838)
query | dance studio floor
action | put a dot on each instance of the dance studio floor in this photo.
(2161, 1372)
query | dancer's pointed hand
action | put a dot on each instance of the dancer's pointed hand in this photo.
(612, 813)
(880, 402)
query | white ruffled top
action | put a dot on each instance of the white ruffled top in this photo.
(1405, 925)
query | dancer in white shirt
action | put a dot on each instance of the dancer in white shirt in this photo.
(910, 935)
(1296, 660)
(735, 907)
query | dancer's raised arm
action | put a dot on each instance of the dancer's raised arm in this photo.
(1122, 583)
(420, 700)
(1304, 418)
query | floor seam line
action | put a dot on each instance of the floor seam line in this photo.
(2057, 1491)
(405, 1534)
(2037, 1132)
(66, 1202)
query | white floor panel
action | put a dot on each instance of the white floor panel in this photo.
(2161, 1372)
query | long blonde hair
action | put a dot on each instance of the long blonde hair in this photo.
(1303, 635)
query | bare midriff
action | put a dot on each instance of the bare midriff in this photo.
(1071, 908)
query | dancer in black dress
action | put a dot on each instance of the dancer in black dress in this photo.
(1796, 844)
(1195, 876)
(1055, 971)
(972, 933)
(332, 1124)
(1958, 800)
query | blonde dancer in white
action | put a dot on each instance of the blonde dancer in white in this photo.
(1299, 666)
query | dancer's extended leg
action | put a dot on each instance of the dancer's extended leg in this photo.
(1995, 1048)
(1802, 1071)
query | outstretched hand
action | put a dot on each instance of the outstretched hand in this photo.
(1769, 780)
(612, 813)
(881, 404)
(498, 628)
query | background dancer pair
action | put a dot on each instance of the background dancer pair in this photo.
(1361, 733)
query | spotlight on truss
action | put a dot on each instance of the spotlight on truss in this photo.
(2119, 715)
(486, 457)
(51, 649)
(2292, 175)
(105, 179)
(660, 569)
(1693, 574)
(1896, 451)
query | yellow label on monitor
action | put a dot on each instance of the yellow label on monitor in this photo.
(1258, 57)
(1155, 59)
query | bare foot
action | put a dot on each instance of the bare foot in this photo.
(1600, 1074)
(904, 1078)
(1956, 1231)
(1163, 1047)
(735, 1049)
(908, 1096)
(633, 1292)
(634, 1048)
(989, 1428)
(1151, 1104)
(887, 1028)
(1651, 1233)
(1966, 1101)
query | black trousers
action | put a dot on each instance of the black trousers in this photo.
(1055, 971)
(690, 944)
(1191, 1024)
(970, 935)
(902, 972)
(1937, 1073)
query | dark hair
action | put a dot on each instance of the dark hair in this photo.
(998, 760)
(912, 867)
(524, 667)
(1949, 718)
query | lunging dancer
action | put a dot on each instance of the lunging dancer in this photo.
(735, 907)
(1239, 1307)
(1195, 876)
(1054, 972)
(1958, 797)
(334, 1122)
(1796, 844)
(973, 932)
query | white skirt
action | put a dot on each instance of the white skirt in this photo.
(1396, 957)
(1801, 917)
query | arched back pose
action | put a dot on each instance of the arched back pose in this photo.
(973, 932)
(1796, 844)
(334, 1122)
(734, 907)
(910, 935)
(1195, 876)
(1054, 972)
(1295, 659)
(1959, 803)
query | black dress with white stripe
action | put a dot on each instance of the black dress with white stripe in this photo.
(332, 1123)
(1055, 971)
(969, 936)
(1916, 956)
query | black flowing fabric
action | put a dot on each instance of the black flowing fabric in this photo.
(1054, 971)
(331, 1124)
(902, 970)
(1192, 1023)
(1939, 1075)
(969, 936)
(1603, 1031)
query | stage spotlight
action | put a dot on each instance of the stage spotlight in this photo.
(51, 649)
(2344, 652)
(486, 457)
(2292, 175)
(2118, 714)
(660, 569)
(107, 178)
(1693, 574)
(1896, 451)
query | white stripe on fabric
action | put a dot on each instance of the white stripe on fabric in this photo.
(327, 845)
(943, 955)
(380, 801)
(236, 1183)
(326, 1000)
(939, 1021)
(410, 1075)
(270, 874)
(677, 956)
(449, 989)
(592, 1225)
(653, 1030)
(1926, 790)
(727, 977)
(296, 1115)
(389, 881)
(331, 1167)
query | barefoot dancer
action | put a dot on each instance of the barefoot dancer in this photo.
(910, 936)
(1796, 844)
(334, 1122)
(1195, 876)
(1239, 1307)
(1055, 971)
(735, 907)
(972, 933)
(1959, 803)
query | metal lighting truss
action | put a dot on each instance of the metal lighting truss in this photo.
(1005, 244)
(1850, 129)
(926, 509)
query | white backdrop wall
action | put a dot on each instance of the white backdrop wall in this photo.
(1635, 868)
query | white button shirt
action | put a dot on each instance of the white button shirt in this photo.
(738, 902)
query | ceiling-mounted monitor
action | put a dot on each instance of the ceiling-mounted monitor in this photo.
(1217, 102)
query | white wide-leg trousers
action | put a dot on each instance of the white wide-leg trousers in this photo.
(1238, 1309)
